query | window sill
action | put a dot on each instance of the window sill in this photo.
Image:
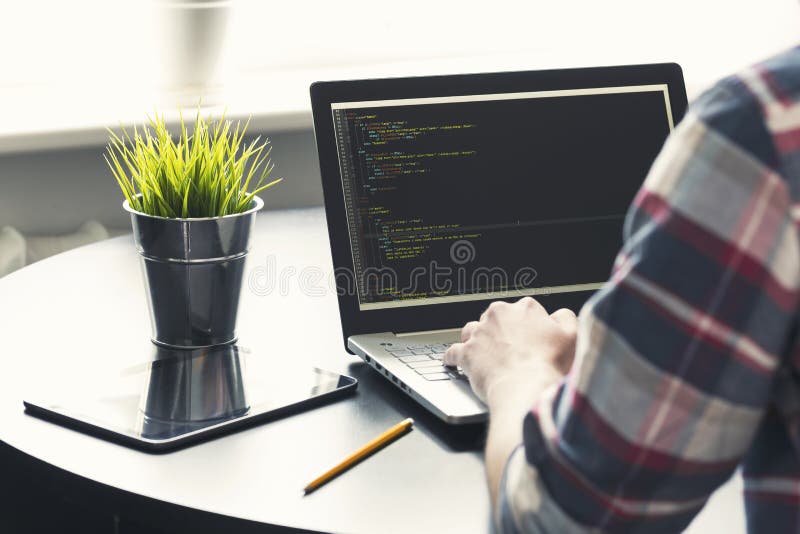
(54, 118)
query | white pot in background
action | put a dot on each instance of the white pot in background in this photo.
(190, 37)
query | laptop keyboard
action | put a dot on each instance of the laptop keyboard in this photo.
(426, 360)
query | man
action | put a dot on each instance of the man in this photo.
(686, 364)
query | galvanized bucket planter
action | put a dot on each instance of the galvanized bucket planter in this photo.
(193, 271)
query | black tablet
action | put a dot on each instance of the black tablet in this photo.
(182, 397)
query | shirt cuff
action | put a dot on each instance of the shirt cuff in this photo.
(525, 504)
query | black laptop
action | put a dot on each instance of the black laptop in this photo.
(444, 193)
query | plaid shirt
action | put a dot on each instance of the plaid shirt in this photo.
(688, 359)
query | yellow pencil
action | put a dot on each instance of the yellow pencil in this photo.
(382, 440)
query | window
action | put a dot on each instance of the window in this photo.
(90, 63)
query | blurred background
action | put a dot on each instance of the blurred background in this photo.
(71, 69)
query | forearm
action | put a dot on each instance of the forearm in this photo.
(509, 400)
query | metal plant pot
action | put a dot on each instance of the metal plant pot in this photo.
(193, 271)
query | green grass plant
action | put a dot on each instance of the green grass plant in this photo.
(205, 174)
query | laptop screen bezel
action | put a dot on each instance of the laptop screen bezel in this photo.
(449, 315)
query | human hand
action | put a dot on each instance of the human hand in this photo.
(518, 341)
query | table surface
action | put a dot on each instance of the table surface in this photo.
(430, 480)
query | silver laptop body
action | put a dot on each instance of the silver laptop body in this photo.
(417, 370)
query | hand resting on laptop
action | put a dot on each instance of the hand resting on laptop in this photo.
(514, 342)
(511, 355)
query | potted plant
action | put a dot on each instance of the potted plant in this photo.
(192, 213)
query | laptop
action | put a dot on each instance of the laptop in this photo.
(445, 193)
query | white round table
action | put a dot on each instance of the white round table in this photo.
(431, 480)
(94, 294)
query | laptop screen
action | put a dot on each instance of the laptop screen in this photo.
(492, 196)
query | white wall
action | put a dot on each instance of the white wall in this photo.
(280, 48)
